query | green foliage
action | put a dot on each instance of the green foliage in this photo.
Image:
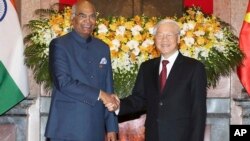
(220, 55)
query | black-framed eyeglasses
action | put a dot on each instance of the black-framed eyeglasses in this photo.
(83, 16)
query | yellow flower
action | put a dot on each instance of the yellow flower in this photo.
(132, 57)
(125, 48)
(202, 36)
(56, 28)
(129, 24)
(114, 54)
(191, 13)
(149, 24)
(138, 37)
(200, 40)
(189, 34)
(137, 19)
(122, 20)
(113, 26)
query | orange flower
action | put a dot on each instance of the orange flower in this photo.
(132, 57)
(125, 48)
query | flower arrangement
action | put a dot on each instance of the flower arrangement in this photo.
(131, 42)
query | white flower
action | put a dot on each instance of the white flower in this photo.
(219, 35)
(199, 33)
(136, 30)
(136, 51)
(123, 62)
(132, 44)
(199, 13)
(201, 51)
(183, 32)
(143, 57)
(48, 35)
(115, 45)
(220, 48)
(46, 52)
(185, 27)
(205, 53)
(147, 43)
(102, 28)
(120, 30)
(191, 25)
(189, 41)
(185, 53)
(151, 30)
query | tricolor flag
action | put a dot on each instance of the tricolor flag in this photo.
(243, 70)
(13, 73)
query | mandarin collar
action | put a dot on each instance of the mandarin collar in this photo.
(80, 38)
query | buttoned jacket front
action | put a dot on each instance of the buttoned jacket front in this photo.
(79, 68)
(179, 112)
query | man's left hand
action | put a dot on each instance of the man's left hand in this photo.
(111, 136)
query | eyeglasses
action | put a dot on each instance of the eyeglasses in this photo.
(161, 36)
(83, 16)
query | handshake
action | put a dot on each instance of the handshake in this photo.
(111, 101)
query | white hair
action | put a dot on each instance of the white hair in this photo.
(73, 13)
(164, 21)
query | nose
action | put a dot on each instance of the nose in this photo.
(165, 38)
(87, 19)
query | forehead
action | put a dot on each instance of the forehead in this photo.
(85, 8)
(167, 28)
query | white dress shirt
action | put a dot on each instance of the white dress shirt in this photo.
(170, 64)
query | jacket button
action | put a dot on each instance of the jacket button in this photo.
(160, 103)
(92, 76)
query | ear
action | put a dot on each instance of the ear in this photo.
(178, 39)
(73, 20)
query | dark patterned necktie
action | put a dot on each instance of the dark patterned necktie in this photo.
(163, 74)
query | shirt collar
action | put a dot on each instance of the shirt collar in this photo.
(172, 58)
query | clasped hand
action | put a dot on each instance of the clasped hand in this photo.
(111, 101)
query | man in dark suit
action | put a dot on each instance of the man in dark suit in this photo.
(175, 111)
(81, 71)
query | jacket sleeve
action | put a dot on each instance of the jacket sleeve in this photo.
(199, 91)
(110, 117)
(62, 79)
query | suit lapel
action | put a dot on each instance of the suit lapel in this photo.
(156, 82)
(172, 77)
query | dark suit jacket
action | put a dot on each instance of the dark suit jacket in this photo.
(80, 68)
(179, 113)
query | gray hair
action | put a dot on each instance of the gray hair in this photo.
(73, 11)
(164, 21)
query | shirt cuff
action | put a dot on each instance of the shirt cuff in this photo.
(117, 111)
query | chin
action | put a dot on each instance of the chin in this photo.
(165, 52)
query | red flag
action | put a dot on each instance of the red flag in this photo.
(206, 5)
(67, 2)
(64, 3)
(243, 70)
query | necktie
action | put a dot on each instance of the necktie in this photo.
(163, 74)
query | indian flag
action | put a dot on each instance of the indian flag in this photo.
(13, 73)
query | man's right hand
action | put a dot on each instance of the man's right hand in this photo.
(111, 107)
(111, 101)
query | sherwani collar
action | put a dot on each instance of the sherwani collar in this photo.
(79, 38)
